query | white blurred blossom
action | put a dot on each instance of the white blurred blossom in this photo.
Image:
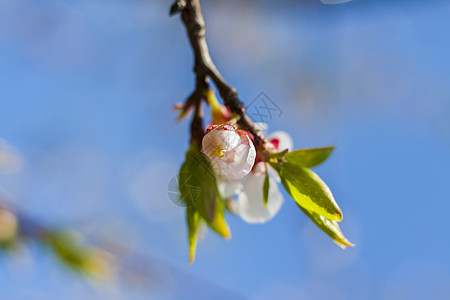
(334, 1)
(10, 159)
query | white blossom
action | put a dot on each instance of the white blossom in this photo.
(232, 155)
(250, 203)
(247, 191)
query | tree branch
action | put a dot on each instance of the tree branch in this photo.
(191, 15)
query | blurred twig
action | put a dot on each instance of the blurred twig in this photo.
(73, 251)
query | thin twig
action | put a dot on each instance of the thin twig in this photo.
(204, 67)
(197, 130)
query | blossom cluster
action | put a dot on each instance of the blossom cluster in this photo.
(244, 173)
(241, 172)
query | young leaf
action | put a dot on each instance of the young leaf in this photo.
(309, 158)
(219, 225)
(308, 190)
(192, 218)
(68, 249)
(197, 184)
(330, 227)
(266, 188)
(279, 154)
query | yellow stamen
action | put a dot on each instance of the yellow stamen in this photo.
(219, 152)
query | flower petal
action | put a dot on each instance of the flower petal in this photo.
(250, 201)
(241, 163)
(228, 188)
(218, 142)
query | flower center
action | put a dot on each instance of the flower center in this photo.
(218, 152)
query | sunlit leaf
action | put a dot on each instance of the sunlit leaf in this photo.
(197, 184)
(330, 227)
(198, 190)
(67, 248)
(219, 224)
(308, 190)
(99, 264)
(266, 188)
(309, 158)
(279, 154)
(192, 218)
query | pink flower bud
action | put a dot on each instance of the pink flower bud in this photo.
(281, 140)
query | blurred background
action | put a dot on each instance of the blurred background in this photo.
(86, 95)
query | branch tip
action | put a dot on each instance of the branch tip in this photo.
(204, 67)
(177, 7)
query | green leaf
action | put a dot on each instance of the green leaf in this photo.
(198, 190)
(68, 249)
(219, 224)
(192, 218)
(330, 227)
(197, 184)
(279, 154)
(309, 158)
(266, 188)
(308, 190)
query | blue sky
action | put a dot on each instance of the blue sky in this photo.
(86, 91)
